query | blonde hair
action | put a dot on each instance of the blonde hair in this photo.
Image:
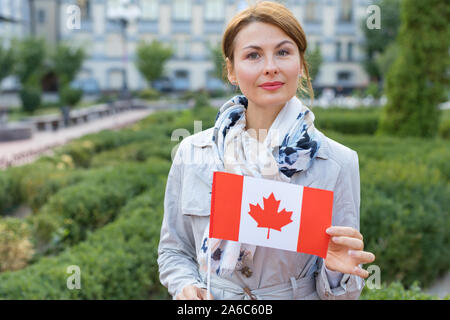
(275, 14)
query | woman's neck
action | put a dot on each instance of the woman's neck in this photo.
(259, 119)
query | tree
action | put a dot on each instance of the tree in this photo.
(219, 62)
(418, 79)
(150, 59)
(314, 60)
(6, 63)
(29, 54)
(6, 68)
(377, 40)
(67, 62)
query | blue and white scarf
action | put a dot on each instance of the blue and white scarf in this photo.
(289, 147)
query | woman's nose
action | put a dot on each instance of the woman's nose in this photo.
(270, 67)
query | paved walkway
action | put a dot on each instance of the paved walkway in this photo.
(25, 151)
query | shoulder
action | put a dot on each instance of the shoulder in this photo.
(193, 148)
(339, 153)
(199, 139)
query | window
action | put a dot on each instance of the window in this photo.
(345, 14)
(181, 48)
(338, 51)
(181, 74)
(214, 10)
(344, 76)
(41, 16)
(85, 9)
(149, 9)
(311, 11)
(350, 51)
(182, 9)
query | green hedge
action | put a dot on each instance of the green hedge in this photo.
(9, 195)
(404, 189)
(362, 120)
(405, 196)
(77, 210)
(350, 121)
(116, 262)
(396, 291)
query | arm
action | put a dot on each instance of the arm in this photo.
(176, 252)
(346, 208)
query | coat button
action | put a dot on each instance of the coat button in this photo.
(246, 271)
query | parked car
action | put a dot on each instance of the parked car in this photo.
(163, 84)
(89, 85)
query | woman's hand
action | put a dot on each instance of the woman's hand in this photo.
(191, 292)
(345, 251)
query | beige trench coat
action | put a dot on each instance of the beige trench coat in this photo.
(274, 273)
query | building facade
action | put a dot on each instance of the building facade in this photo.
(190, 27)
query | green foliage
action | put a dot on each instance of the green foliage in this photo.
(6, 62)
(84, 207)
(405, 195)
(29, 54)
(149, 94)
(314, 60)
(377, 40)
(37, 182)
(102, 204)
(201, 100)
(117, 262)
(15, 247)
(385, 60)
(67, 62)
(150, 59)
(417, 80)
(70, 96)
(396, 291)
(219, 62)
(351, 121)
(403, 220)
(30, 97)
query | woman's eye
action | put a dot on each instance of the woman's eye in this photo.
(252, 55)
(255, 55)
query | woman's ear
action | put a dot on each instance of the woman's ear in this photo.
(231, 76)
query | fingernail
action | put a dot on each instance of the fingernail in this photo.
(328, 231)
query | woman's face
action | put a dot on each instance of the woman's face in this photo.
(264, 54)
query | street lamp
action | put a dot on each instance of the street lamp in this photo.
(124, 12)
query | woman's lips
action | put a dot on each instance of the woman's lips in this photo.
(272, 87)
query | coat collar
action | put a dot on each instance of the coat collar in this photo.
(204, 139)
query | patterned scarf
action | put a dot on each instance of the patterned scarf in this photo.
(273, 158)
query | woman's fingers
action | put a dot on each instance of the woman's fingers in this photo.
(352, 243)
(363, 256)
(360, 272)
(344, 231)
(204, 294)
(189, 292)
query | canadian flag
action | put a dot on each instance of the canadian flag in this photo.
(270, 213)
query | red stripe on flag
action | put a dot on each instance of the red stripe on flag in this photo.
(316, 214)
(226, 198)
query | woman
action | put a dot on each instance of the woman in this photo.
(267, 133)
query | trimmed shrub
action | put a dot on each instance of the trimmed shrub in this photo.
(350, 121)
(16, 248)
(9, 195)
(119, 261)
(444, 128)
(396, 291)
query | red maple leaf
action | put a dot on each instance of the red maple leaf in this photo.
(269, 217)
